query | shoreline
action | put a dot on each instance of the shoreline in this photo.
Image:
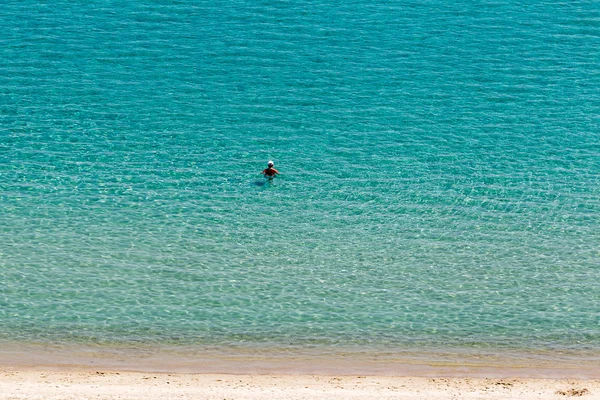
(245, 361)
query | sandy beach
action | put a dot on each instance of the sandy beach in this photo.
(57, 372)
(78, 384)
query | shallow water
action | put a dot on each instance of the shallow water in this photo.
(439, 175)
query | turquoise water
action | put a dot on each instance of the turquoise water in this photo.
(439, 181)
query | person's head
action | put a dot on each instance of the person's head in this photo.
(270, 164)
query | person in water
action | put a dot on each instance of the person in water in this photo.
(270, 172)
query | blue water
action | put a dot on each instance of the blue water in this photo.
(439, 178)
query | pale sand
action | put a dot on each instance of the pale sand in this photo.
(52, 372)
(81, 384)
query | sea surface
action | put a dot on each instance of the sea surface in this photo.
(439, 180)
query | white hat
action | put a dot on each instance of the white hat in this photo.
(270, 163)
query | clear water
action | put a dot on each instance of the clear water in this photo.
(439, 174)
